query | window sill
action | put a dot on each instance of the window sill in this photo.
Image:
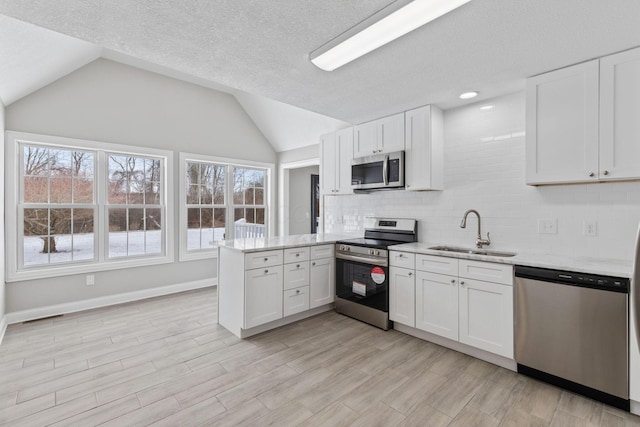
(193, 256)
(70, 270)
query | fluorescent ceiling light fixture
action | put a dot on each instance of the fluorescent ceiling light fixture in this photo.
(395, 20)
(468, 95)
(487, 107)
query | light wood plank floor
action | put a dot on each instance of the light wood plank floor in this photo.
(165, 361)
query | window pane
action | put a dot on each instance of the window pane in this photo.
(152, 194)
(83, 234)
(118, 179)
(60, 190)
(248, 196)
(153, 235)
(260, 215)
(206, 195)
(207, 239)
(192, 173)
(36, 189)
(153, 219)
(193, 228)
(82, 164)
(117, 233)
(217, 182)
(36, 222)
(135, 220)
(259, 196)
(35, 161)
(219, 223)
(82, 190)
(59, 221)
(206, 216)
(151, 170)
(33, 251)
(60, 162)
(193, 195)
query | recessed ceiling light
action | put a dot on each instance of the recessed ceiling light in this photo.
(468, 95)
(487, 107)
(395, 20)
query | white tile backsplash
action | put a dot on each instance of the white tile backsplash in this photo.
(485, 170)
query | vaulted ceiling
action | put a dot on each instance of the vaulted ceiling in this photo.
(260, 48)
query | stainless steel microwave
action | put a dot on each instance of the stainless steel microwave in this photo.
(380, 171)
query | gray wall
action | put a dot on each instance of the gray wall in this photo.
(298, 154)
(300, 199)
(2, 284)
(111, 102)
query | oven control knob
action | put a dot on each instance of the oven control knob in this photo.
(377, 252)
(348, 248)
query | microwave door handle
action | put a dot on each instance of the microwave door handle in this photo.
(385, 170)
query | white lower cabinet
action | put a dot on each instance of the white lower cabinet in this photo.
(486, 316)
(402, 297)
(263, 295)
(322, 284)
(466, 301)
(296, 300)
(437, 304)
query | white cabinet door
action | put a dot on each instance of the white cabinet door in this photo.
(402, 297)
(424, 149)
(391, 133)
(296, 300)
(263, 296)
(619, 121)
(562, 125)
(344, 155)
(365, 139)
(328, 164)
(322, 282)
(437, 304)
(486, 316)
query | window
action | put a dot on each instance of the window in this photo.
(85, 206)
(222, 199)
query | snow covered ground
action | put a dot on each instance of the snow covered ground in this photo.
(121, 244)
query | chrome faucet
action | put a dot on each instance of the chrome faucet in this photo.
(480, 242)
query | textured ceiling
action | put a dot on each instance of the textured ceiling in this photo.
(261, 47)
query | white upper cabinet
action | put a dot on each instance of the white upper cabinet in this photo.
(424, 149)
(336, 153)
(582, 122)
(619, 115)
(384, 135)
(562, 125)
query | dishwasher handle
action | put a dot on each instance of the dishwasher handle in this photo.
(572, 278)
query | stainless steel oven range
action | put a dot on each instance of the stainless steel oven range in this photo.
(362, 269)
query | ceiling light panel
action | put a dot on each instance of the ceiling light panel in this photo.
(390, 23)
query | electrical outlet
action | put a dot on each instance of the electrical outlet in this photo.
(547, 226)
(590, 228)
(91, 279)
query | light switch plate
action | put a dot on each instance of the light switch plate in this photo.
(548, 226)
(91, 279)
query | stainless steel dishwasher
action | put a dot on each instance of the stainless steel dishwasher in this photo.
(572, 331)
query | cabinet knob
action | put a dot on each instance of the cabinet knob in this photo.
(297, 254)
(266, 271)
(453, 281)
(462, 282)
(605, 173)
(297, 291)
(313, 263)
(592, 174)
(410, 274)
(297, 265)
(400, 255)
(266, 259)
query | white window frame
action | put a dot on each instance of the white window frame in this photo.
(270, 217)
(16, 272)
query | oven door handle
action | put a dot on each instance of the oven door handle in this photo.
(363, 259)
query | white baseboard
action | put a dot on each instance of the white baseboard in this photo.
(72, 307)
(3, 327)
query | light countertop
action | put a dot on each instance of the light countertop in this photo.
(283, 242)
(606, 267)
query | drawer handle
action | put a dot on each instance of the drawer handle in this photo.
(605, 173)
(266, 271)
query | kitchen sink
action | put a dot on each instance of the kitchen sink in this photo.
(472, 251)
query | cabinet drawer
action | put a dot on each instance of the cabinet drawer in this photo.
(296, 254)
(322, 251)
(296, 275)
(262, 259)
(296, 300)
(486, 271)
(402, 259)
(437, 264)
